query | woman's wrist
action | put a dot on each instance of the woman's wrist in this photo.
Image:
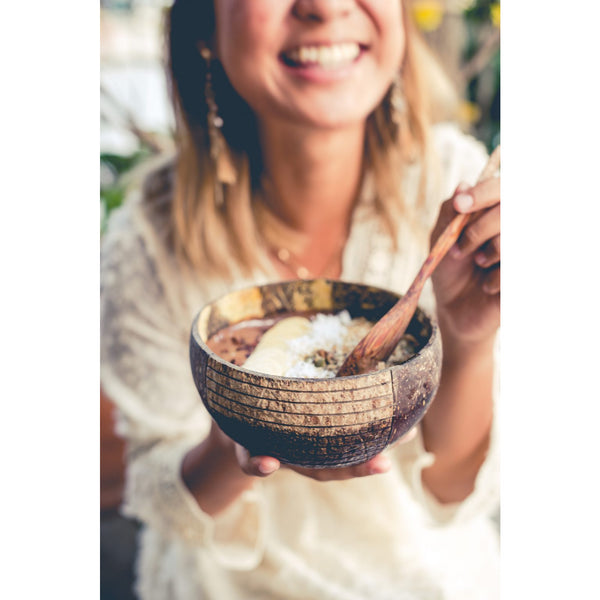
(212, 473)
(456, 428)
(462, 350)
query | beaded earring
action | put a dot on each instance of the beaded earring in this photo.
(219, 151)
(397, 101)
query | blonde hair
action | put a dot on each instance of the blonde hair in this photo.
(206, 236)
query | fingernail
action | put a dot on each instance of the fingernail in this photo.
(489, 288)
(455, 251)
(463, 202)
(266, 467)
(462, 187)
(480, 258)
(381, 465)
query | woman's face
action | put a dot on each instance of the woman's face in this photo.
(325, 63)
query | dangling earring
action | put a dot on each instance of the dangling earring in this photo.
(397, 101)
(219, 151)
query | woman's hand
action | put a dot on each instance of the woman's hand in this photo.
(218, 470)
(467, 288)
(261, 466)
(467, 282)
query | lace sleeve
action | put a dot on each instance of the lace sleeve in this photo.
(461, 158)
(145, 371)
(485, 497)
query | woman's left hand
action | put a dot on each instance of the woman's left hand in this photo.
(467, 281)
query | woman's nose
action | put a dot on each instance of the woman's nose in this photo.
(321, 10)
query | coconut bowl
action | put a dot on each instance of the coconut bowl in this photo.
(318, 423)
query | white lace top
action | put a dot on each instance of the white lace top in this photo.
(375, 538)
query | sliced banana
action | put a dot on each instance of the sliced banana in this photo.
(272, 355)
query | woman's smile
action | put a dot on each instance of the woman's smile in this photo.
(320, 64)
(327, 56)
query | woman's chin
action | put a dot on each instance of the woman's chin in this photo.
(326, 116)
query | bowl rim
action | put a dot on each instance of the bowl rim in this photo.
(195, 335)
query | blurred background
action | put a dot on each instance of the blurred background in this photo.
(136, 119)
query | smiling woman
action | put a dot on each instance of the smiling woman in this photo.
(307, 146)
(266, 104)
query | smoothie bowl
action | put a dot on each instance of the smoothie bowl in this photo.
(262, 374)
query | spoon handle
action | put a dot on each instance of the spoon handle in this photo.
(381, 340)
(452, 231)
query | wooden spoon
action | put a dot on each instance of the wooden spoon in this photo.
(381, 340)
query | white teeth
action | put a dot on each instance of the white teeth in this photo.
(331, 56)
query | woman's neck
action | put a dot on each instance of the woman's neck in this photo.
(312, 177)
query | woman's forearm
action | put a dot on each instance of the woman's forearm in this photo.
(212, 473)
(457, 426)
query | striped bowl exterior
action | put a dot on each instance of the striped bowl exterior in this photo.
(315, 423)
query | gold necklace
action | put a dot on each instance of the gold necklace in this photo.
(272, 227)
(286, 258)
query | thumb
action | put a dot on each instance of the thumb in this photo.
(257, 466)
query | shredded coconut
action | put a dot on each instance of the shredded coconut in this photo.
(330, 338)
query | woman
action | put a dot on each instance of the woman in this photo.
(304, 149)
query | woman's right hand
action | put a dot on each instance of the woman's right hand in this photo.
(262, 466)
(257, 466)
(218, 470)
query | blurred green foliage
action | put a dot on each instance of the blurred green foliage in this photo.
(113, 180)
(484, 88)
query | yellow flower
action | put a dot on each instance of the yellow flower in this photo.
(495, 13)
(428, 14)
